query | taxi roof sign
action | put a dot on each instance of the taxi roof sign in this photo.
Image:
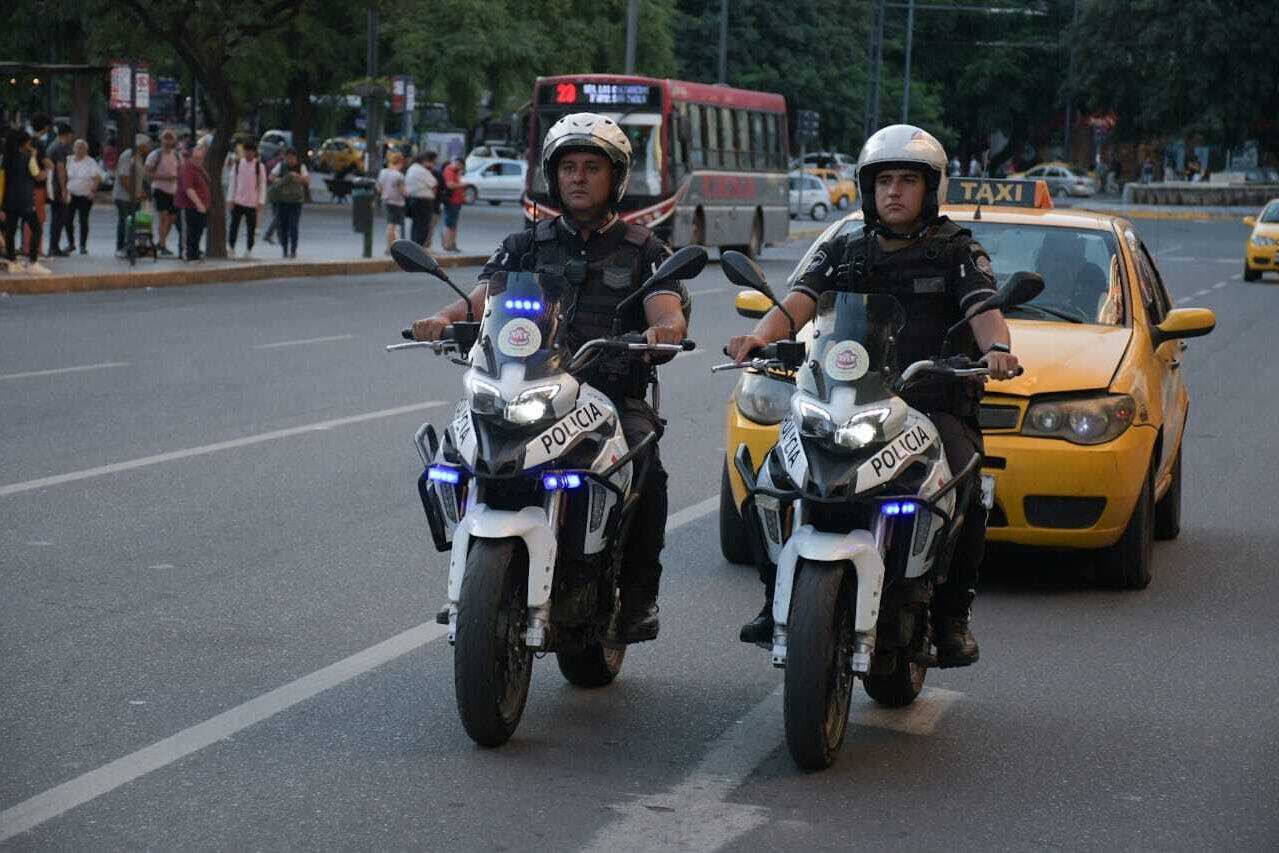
(1000, 192)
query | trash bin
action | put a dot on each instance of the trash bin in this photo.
(362, 204)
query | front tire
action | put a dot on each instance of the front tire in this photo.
(1168, 509)
(818, 682)
(1126, 564)
(1249, 274)
(734, 532)
(818, 213)
(491, 664)
(596, 665)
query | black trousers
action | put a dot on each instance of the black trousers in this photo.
(12, 228)
(961, 438)
(195, 223)
(250, 217)
(123, 209)
(419, 210)
(80, 206)
(641, 565)
(60, 223)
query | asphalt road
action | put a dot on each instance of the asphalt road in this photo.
(216, 588)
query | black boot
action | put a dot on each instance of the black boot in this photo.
(442, 617)
(638, 621)
(760, 629)
(956, 645)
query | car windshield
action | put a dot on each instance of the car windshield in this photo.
(852, 345)
(521, 324)
(1080, 269)
(1271, 213)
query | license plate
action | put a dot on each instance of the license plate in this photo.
(988, 491)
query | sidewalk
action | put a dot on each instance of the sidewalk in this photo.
(1113, 205)
(326, 246)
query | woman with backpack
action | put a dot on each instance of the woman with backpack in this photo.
(289, 191)
(21, 173)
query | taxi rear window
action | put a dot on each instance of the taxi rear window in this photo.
(1080, 269)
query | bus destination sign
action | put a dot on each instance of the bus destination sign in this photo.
(601, 94)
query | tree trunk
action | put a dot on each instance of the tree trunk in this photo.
(300, 94)
(227, 116)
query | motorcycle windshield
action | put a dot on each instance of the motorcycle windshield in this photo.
(852, 345)
(522, 324)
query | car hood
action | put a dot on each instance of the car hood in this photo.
(1063, 357)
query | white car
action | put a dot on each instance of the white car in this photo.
(813, 201)
(496, 181)
(482, 155)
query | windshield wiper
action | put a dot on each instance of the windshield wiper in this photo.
(1051, 312)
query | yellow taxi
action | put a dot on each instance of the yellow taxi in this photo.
(339, 154)
(843, 191)
(1085, 447)
(1262, 252)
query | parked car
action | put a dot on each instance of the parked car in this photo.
(1261, 254)
(273, 143)
(845, 164)
(339, 154)
(482, 154)
(814, 199)
(1062, 178)
(496, 181)
(843, 190)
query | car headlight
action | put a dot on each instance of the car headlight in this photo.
(486, 399)
(532, 405)
(1081, 421)
(762, 399)
(1258, 240)
(814, 421)
(865, 427)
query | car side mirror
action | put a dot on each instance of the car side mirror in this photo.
(752, 304)
(743, 272)
(1250, 221)
(1183, 323)
(686, 263)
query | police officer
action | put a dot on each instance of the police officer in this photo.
(586, 159)
(939, 274)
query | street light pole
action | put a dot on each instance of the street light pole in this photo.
(723, 41)
(373, 127)
(632, 24)
(910, 38)
(1069, 77)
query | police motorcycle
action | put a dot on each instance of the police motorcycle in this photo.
(531, 490)
(857, 506)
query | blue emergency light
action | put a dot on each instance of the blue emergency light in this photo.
(895, 508)
(443, 474)
(552, 482)
(529, 306)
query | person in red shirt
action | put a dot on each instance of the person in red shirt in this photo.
(453, 201)
(193, 199)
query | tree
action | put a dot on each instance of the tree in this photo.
(1177, 68)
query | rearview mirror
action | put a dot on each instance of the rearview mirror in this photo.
(1250, 221)
(751, 304)
(1183, 323)
(743, 272)
(687, 263)
(413, 258)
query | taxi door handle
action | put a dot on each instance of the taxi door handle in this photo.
(1183, 346)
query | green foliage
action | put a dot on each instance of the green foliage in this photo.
(1176, 68)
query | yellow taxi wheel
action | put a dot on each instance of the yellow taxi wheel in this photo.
(1126, 564)
(734, 535)
(1168, 509)
(1249, 274)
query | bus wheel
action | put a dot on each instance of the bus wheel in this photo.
(756, 245)
(699, 229)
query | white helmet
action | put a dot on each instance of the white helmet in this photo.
(902, 146)
(587, 132)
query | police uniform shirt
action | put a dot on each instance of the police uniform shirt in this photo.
(517, 253)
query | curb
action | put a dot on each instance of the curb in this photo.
(213, 273)
(1182, 215)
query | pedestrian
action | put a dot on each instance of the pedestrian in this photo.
(162, 167)
(453, 201)
(974, 167)
(955, 168)
(273, 226)
(1147, 170)
(84, 176)
(193, 187)
(129, 192)
(21, 175)
(437, 206)
(390, 186)
(291, 178)
(421, 189)
(59, 196)
(39, 144)
(247, 195)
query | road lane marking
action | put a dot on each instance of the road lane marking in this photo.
(695, 815)
(708, 290)
(103, 366)
(1183, 300)
(116, 467)
(1193, 259)
(58, 800)
(1203, 292)
(299, 343)
(1220, 285)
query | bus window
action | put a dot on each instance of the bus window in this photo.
(743, 139)
(712, 137)
(759, 157)
(695, 127)
(728, 157)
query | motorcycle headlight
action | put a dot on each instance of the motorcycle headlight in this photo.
(863, 428)
(485, 397)
(814, 421)
(1084, 421)
(762, 399)
(1258, 240)
(532, 405)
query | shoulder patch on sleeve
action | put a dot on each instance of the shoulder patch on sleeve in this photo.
(819, 258)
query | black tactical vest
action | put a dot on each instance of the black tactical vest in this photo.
(597, 288)
(917, 277)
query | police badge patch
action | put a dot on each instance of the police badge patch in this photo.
(818, 261)
(982, 263)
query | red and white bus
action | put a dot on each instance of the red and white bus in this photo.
(709, 162)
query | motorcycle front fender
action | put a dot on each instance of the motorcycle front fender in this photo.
(529, 524)
(857, 547)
